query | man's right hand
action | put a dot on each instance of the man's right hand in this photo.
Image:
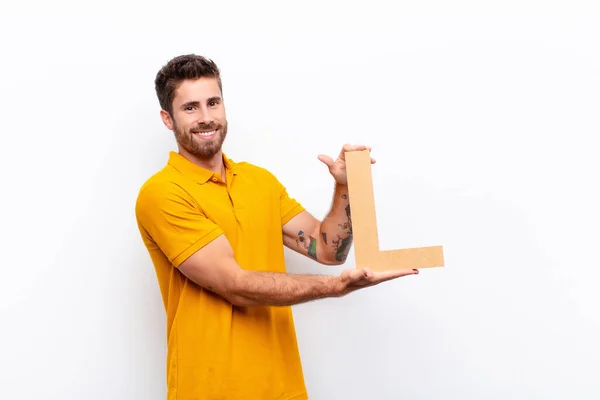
(354, 279)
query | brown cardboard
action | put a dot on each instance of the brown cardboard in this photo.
(364, 224)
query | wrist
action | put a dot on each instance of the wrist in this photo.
(341, 190)
(336, 286)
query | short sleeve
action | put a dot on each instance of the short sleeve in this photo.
(168, 216)
(290, 207)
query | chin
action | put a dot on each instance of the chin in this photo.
(205, 151)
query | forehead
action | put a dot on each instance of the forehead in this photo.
(196, 90)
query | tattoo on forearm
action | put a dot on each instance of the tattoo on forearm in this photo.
(342, 244)
(309, 245)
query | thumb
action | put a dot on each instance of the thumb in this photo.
(326, 160)
(355, 275)
(350, 275)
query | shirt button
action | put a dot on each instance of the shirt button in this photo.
(214, 178)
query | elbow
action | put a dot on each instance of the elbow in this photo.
(234, 292)
(235, 298)
(329, 260)
(240, 301)
(332, 263)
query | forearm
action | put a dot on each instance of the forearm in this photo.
(251, 288)
(336, 228)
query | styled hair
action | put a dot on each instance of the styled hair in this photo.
(189, 66)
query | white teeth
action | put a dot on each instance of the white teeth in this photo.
(206, 133)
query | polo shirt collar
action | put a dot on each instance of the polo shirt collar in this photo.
(194, 171)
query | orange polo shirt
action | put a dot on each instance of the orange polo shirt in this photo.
(217, 350)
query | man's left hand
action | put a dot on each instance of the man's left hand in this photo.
(337, 168)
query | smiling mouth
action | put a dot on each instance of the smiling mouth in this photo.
(206, 134)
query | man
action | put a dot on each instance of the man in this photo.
(215, 231)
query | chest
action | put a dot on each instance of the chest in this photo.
(242, 207)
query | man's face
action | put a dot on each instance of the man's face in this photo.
(199, 121)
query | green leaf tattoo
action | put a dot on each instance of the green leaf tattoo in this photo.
(309, 245)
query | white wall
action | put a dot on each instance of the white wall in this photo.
(483, 118)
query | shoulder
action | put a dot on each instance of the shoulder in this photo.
(160, 191)
(160, 183)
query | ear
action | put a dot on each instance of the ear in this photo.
(166, 118)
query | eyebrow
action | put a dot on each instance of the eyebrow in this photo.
(197, 103)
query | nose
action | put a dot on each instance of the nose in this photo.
(205, 116)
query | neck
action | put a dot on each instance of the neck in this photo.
(214, 163)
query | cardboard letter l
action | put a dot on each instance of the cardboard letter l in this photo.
(364, 224)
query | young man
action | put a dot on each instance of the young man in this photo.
(215, 231)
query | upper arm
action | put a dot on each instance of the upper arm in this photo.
(170, 217)
(301, 230)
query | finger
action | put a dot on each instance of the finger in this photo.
(373, 160)
(387, 275)
(355, 147)
(404, 272)
(326, 160)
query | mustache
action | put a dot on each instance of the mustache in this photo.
(204, 127)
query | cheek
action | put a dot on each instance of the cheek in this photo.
(220, 116)
(183, 122)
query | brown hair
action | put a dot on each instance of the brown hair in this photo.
(183, 67)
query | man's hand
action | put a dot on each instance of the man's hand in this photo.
(355, 279)
(337, 168)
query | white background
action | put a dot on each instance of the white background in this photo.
(483, 117)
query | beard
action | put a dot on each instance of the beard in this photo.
(193, 144)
